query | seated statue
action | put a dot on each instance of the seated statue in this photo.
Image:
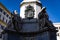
(44, 20)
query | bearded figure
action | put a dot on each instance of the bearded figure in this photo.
(44, 19)
(16, 20)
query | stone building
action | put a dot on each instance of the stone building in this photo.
(32, 24)
(57, 25)
(5, 17)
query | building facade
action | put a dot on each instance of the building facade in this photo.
(5, 17)
(57, 25)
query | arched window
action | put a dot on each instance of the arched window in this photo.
(0, 10)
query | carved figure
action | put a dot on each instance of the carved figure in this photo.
(29, 12)
(44, 19)
(16, 20)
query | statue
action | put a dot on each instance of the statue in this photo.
(10, 23)
(29, 12)
(15, 23)
(44, 19)
(16, 20)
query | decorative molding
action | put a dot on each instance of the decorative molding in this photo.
(3, 7)
(39, 4)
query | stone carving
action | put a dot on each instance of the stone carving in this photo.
(44, 19)
(16, 20)
(29, 12)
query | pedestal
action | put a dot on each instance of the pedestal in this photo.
(43, 34)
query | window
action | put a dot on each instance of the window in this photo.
(0, 10)
(4, 13)
(3, 19)
(7, 15)
(6, 21)
(2, 27)
(0, 35)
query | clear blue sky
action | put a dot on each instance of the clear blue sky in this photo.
(53, 7)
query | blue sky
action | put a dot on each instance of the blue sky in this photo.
(53, 7)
